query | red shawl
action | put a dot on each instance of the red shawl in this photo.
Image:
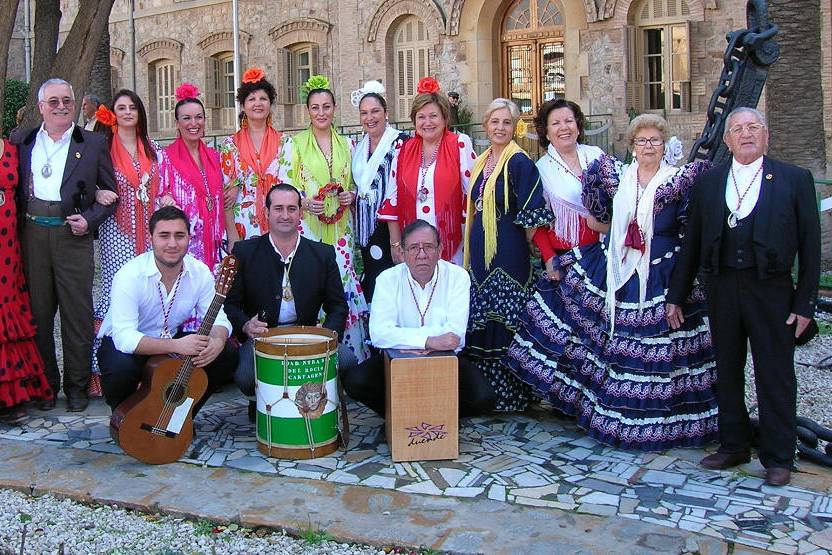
(129, 206)
(258, 164)
(447, 189)
(212, 230)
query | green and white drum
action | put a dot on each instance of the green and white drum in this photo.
(296, 369)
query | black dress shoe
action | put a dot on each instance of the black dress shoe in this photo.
(252, 411)
(778, 476)
(721, 461)
(46, 404)
(77, 403)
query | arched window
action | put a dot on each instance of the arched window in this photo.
(162, 85)
(532, 40)
(411, 61)
(658, 56)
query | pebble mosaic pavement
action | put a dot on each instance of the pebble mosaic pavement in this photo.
(534, 459)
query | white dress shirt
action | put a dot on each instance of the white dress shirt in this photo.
(56, 152)
(744, 175)
(395, 322)
(136, 310)
(90, 125)
(288, 313)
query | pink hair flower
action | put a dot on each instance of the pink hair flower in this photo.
(186, 90)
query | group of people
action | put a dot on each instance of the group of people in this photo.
(572, 279)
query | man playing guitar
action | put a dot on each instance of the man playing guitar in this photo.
(152, 296)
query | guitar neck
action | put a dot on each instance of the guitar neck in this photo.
(187, 367)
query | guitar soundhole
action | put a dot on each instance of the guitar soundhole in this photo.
(175, 393)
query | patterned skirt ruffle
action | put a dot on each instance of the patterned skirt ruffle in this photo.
(648, 387)
(495, 307)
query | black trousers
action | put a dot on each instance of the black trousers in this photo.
(121, 373)
(365, 383)
(743, 309)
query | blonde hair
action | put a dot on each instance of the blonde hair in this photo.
(423, 99)
(499, 104)
(643, 122)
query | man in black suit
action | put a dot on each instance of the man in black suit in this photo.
(282, 279)
(748, 219)
(61, 167)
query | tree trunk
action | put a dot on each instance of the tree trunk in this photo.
(8, 13)
(797, 134)
(73, 61)
(101, 82)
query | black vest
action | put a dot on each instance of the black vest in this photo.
(737, 248)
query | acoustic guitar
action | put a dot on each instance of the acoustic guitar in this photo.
(155, 424)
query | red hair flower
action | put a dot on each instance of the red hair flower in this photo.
(427, 85)
(186, 90)
(253, 75)
(105, 116)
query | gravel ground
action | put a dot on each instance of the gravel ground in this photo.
(64, 526)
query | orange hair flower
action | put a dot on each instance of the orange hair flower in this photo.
(427, 85)
(253, 75)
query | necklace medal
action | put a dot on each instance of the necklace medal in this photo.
(287, 293)
(2, 198)
(165, 334)
(46, 170)
(141, 192)
(733, 218)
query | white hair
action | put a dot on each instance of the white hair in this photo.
(742, 110)
(49, 83)
(499, 104)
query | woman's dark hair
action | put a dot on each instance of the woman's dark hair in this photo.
(377, 97)
(261, 85)
(169, 213)
(141, 125)
(316, 91)
(541, 120)
(187, 101)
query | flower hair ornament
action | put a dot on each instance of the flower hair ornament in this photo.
(427, 85)
(314, 82)
(369, 87)
(106, 117)
(253, 75)
(673, 150)
(186, 91)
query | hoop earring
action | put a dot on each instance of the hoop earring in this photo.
(269, 120)
(244, 121)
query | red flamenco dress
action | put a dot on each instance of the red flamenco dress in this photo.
(21, 366)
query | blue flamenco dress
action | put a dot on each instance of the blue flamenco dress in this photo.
(645, 386)
(499, 290)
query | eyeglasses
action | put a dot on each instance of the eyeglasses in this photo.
(641, 141)
(429, 248)
(752, 128)
(55, 102)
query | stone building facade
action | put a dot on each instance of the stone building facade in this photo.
(611, 56)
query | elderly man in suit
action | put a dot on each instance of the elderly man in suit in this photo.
(748, 220)
(283, 279)
(61, 168)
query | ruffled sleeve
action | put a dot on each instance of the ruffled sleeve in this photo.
(601, 180)
(525, 183)
(684, 182)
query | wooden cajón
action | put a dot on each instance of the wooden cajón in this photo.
(422, 406)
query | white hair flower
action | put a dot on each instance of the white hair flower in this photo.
(369, 87)
(673, 150)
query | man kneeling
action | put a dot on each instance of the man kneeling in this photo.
(151, 297)
(421, 304)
